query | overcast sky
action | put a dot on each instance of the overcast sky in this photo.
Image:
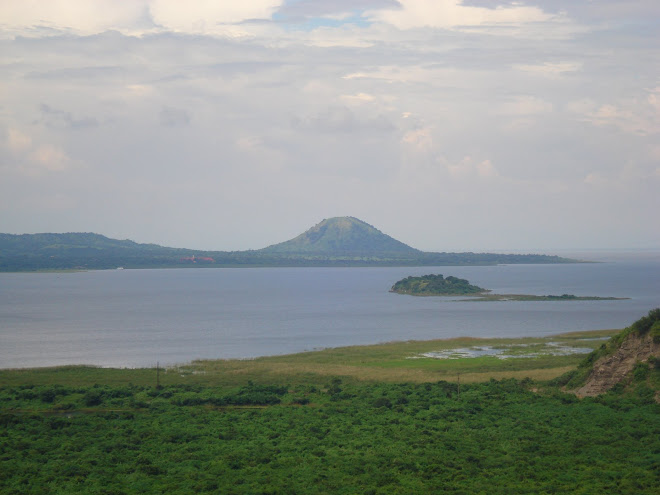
(450, 125)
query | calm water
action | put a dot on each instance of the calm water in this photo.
(138, 317)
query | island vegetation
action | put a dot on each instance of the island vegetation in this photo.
(438, 285)
(349, 420)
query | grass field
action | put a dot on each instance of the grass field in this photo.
(393, 362)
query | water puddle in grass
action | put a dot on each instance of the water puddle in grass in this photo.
(506, 352)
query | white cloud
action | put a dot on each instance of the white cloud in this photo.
(419, 140)
(582, 106)
(341, 119)
(468, 169)
(135, 17)
(550, 69)
(76, 16)
(486, 169)
(632, 118)
(526, 105)
(50, 158)
(17, 141)
(32, 158)
(358, 98)
(209, 16)
(451, 14)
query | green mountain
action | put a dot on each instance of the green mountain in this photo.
(342, 236)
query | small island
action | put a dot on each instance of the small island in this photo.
(438, 285)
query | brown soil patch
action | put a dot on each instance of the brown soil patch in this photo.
(610, 370)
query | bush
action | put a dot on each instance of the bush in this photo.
(383, 402)
(93, 397)
(48, 395)
(641, 371)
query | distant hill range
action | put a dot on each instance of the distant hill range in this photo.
(340, 241)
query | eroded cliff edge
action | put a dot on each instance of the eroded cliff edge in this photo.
(632, 356)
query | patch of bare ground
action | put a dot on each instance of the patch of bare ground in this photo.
(610, 370)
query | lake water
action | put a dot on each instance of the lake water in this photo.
(134, 318)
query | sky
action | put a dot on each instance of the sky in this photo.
(450, 125)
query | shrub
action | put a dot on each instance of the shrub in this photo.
(641, 371)
(93, 397)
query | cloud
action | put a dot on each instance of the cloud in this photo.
(341, 119)
(174, 117)
(358, 98)
(305, 9)
(34, 159)
(134, 17)
(550, 68)
(626, 177)
(34, 17)
(468, 169)
(485, 169)
(526, 105)
(17, 142)
(88, 73)
(419, 140)
(452, 14)
(51, 158)
(209, 16)
(55, 118)
(639, 115)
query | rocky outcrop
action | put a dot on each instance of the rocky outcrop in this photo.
(617, 367)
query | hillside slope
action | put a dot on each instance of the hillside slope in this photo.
(628, 356)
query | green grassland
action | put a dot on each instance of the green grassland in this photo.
(388, 362)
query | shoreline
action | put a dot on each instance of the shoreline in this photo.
(400, 348)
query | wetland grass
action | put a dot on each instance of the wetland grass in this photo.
(393, 362)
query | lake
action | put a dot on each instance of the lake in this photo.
(135, 318)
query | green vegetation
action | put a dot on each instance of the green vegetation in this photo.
(376, 419)
(342, 241)
(435, 285)
(333, 437)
